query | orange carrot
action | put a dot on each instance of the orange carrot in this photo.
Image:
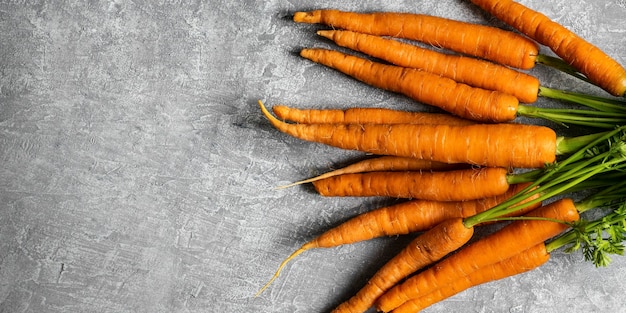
(496, 145)
(454, 185)
(591, 61)
(517, 264)
(413, 216)
(364, 116)
(459, 99)
(383, 163)
(502, 244)
(486, 42)
(424, 250)
(467, 70)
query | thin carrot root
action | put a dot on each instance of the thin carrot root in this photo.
(383, 163)
(305, 247)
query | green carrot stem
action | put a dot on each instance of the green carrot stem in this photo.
(566, 117)
(560, 65)
(604, 104)
(568, 145)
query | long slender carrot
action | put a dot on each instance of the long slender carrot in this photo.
(497, 145)
(459, 99)
(520, 263)
(591, 61)
(467, 70)
(502, 244)
(424, 250)
(383, 163)
(364, 116)
(453, 185)
(483, 41)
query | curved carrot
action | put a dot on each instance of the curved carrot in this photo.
(591, 61)
(454, 185)
(459, 99)
(486, 42)
(467, 70)
(496, 145)
(503, 244)
(383, 163)
(424, 250)
(364, 116)
(517, 264)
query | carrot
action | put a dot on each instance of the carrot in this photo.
(383, 163)
(459, 99)
(502, 244)
(495, 145)
(424, 250)
(454, 185)
(401, 219)
(364, 116)
(467, 70)
(486, 42)
(517, 264)
(588, 59)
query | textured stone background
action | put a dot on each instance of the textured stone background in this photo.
(137, 172)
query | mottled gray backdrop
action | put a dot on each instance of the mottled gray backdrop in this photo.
(137, 173)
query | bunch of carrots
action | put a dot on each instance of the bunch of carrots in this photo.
(473, 164)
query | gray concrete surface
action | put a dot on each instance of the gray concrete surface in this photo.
(137, 172)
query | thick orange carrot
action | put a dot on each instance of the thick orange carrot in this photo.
(384, 163)
(467, 70)
(454, 185)
(364, 116)
(517, 264)
(591, 61)
(502, 244)
(424, 250)
(459, 99)
(486, 42)
(496, 145)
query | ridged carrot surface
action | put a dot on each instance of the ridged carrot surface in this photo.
(483, 41)
(501, 245)
(472, 71)
(495, 145)
(460, 99)
(364, 116)
(587, 58)
(515, 265)
(455, 185)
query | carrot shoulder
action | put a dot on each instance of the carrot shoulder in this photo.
(364, 116)
(424, 250)
(472, 71)
(428, 88)
(590, 60)
(502, 244)
(520, 263)
(483, 41)
(454, 185)
(496, 145)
